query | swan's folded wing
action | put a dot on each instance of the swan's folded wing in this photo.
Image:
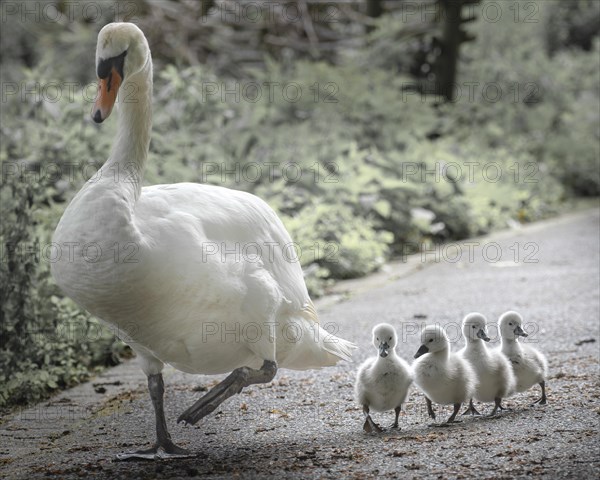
(229, 222)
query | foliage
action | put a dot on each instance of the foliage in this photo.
(548, 106)
(47, 341)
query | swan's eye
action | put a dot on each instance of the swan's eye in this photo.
(377, 338)
(430, 340)
(474, 326)
(390, 339)
(510, 324)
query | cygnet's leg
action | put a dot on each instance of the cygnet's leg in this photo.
(430, 411)
(370, 426)
(542, 401)
(497, 406)
(471, 409)
(164, 446)
(233, 384)
(397, 410)
(453, 416)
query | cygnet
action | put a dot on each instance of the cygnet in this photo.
(495, 378)
(529, 365)
(444, 377)
(383, 381)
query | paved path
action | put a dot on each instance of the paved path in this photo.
(305, 424)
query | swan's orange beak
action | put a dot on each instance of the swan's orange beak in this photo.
(107, 94)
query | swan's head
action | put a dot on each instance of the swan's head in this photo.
(511, 325)
(384, 338)
(121, 52)
(474, 327)
(433, 339)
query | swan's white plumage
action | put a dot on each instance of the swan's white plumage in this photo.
(529, 364)
(178, 277)
(495, 378)
(443, 376)
(382, 384)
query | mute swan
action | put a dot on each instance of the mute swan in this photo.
(382, 382)
(529, 365)
(443, 376)
(170, 297)
(495, 378)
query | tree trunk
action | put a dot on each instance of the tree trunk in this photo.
(446, 75)
(374, 10)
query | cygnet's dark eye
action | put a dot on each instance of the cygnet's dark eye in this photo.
(510, 324)
(390, 339)
(377, 338)
(474, 326)
(430, 340)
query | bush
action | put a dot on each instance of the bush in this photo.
(549, 106)
(47, 341)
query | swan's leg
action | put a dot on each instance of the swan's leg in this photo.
(233, 384)
(471, 409)
(370, 426)
(542, 401)
(397, 410)
(453, 416)
(430, 411)
(164, 446)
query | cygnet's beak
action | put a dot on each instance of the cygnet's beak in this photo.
(519, 332)
(384, 349)
(481, 334)
(421, 351)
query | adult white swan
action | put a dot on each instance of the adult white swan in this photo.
(175, 268)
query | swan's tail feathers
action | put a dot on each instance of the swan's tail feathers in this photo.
(307, 345)
(333, 348)
(310, 312)
(340, 348)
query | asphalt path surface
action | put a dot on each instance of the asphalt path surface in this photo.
(307, 425)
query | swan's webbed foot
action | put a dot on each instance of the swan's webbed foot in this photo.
(471, 409)
(233, 384)
(370, 426)
(541, 401)
(169, 450)
(164, 446)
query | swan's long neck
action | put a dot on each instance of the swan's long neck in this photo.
(127, 160)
